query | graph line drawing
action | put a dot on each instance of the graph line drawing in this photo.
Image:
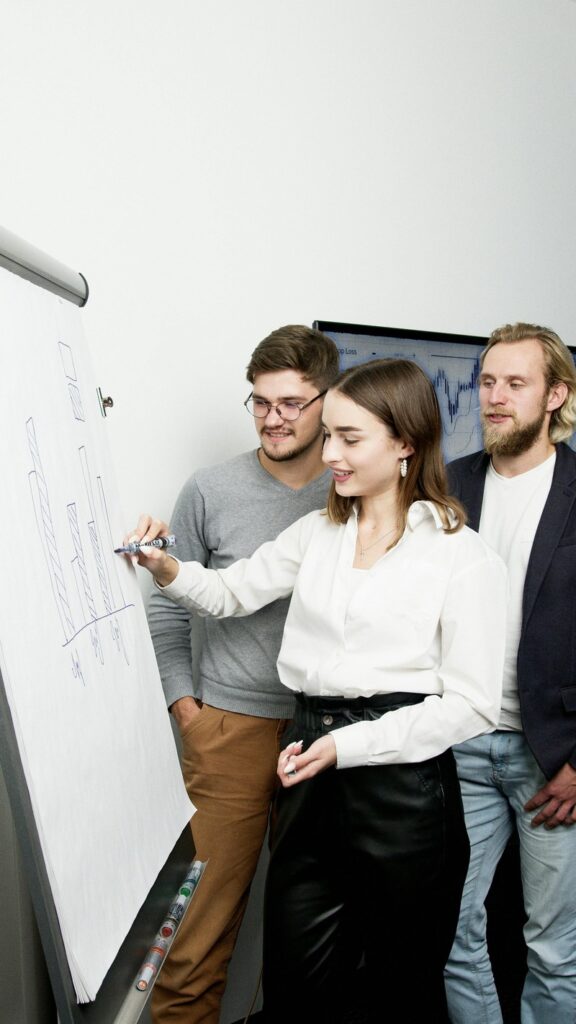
(101, 535)
(115, 583)
(67, 357)
(81, 605)
(118, 639)
(450, 392)
(454, 371)
(77, 667)
(80, 568)
(45, 522)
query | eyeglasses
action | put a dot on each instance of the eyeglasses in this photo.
(260, 408)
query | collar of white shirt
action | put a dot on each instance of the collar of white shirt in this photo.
(417, 513)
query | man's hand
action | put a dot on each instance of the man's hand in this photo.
(184, 711)
(294, 767)
(557, 800)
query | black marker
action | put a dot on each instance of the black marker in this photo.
(135, 545)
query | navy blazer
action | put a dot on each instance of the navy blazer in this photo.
(547, 648)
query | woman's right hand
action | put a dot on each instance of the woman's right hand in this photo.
(295, 766)
(163, 567)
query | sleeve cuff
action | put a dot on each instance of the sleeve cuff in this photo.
(173, 590)
(347, 753)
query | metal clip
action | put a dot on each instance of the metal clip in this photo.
(105, 403)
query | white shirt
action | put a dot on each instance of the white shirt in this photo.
(428, 617)
(511, 511)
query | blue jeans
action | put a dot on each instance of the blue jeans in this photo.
(498, 774)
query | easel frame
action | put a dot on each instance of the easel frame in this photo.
(118, 1001)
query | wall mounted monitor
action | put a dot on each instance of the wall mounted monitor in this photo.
(452, 361)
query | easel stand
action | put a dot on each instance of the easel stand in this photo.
(115, 1003)
(118, 1001)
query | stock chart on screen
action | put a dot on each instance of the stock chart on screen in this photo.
(451, 361)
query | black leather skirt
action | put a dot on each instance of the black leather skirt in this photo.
(367, 868)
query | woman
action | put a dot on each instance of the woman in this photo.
(393, 645)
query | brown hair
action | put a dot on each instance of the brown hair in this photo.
(558, 368)
(402, 397)
(312, 354)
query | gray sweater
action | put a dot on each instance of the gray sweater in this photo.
(224, 513)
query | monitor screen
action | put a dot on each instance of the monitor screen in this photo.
(452, 361)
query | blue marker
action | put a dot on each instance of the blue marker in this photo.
(134, 546)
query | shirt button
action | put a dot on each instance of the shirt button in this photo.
(327, 719)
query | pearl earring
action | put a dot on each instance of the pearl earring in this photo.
(403, 467)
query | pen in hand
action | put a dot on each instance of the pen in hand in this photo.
(133, 547)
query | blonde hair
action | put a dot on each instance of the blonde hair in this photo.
(402, 397)
(558, 368)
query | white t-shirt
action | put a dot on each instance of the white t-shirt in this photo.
(511, 510)
(428, 617)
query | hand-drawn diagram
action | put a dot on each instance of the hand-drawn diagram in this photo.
(67, 357)
(94, 592)
(76, 661)
(45, 521)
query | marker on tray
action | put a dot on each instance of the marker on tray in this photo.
(152, 963)
(177, 908)
(134, 546)
(163, 940)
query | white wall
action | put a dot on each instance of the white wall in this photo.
(217, 169)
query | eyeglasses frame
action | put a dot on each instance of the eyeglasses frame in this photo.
(275, 405)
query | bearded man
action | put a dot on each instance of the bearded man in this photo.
(520, 494)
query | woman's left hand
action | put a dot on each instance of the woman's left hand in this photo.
(294, 767)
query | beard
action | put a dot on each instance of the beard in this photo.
(291, 453)
(517, 440)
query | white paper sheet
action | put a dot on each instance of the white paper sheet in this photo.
(75, 651)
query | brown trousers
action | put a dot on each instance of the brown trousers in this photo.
(229, 766)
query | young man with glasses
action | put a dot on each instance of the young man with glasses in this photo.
(231, 712)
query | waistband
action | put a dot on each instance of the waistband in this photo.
(379, 702)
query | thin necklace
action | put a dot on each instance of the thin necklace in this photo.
(363, 550)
